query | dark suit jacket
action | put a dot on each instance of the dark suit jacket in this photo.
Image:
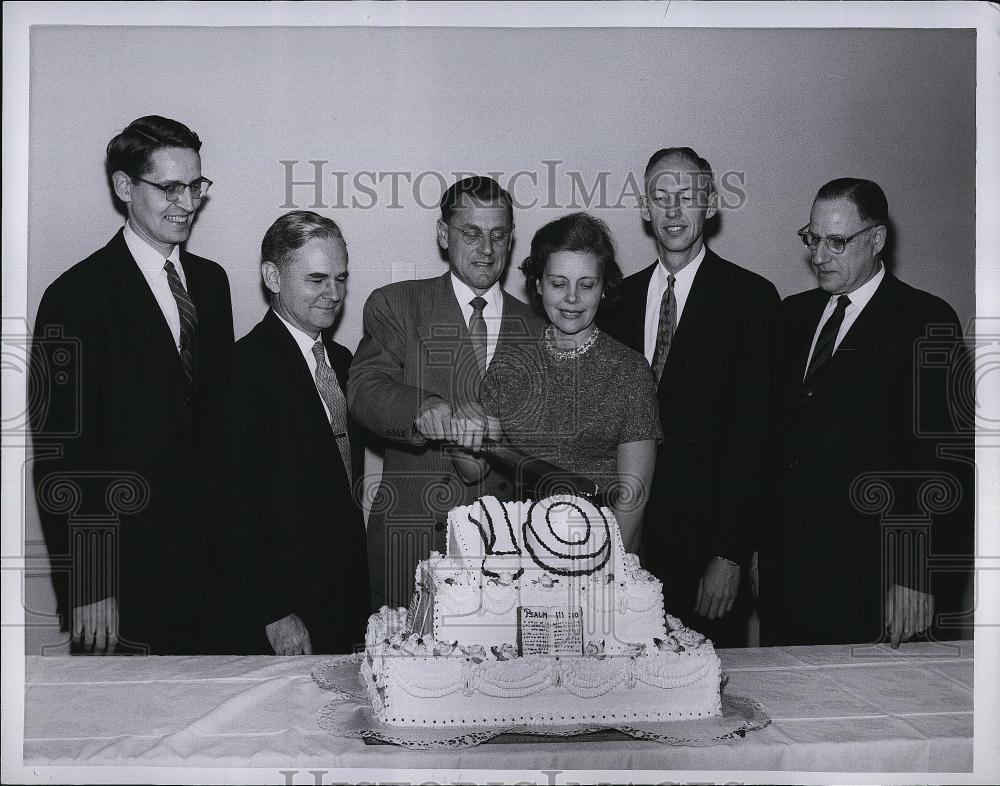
(861, 498)
(117, 433)
(706, 494)
(298, 523)
(416, 344)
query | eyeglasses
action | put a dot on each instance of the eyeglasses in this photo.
(836, 243)
(474, 235)
(174, 191)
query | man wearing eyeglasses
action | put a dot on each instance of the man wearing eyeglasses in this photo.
(146, 325)
(859, 425)
(416, 375)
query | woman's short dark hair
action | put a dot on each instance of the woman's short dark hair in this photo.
(579, 232)
(131, 150)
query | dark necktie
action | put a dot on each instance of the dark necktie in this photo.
(329, 389)
(189, 318)
(824, 344)
(665, 328)
(477, 332)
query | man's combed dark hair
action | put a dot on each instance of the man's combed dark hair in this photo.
(698, 162)
(579, 232)
(130, 151)
(292, 231)
(867, 196)
(474, 192)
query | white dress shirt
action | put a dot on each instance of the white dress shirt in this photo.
(492, 311)
(859, 299)
(654, 294)
(150, 262)
(306, 342)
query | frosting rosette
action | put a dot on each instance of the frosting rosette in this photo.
(474, 652)
(410, 644)
(689, 638)
(393, 621)
(673, 623)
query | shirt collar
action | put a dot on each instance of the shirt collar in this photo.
(860, 296)
(303, 339)
(686, 274)
(148, 258)
(464, 294)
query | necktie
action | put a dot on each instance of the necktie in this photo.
(666, 327)
(189, 318)
(329, 389)
(824, 344)
(477, 331)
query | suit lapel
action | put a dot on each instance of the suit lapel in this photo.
(300, 385)
(135, 303)
(699, 310)
(632, 309)
(865, 337)
(447, 319)
(512, 326)
(869, 321)
(294, 375)
(803, 336)
(450, 333)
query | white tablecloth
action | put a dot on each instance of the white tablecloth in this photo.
(836, 708)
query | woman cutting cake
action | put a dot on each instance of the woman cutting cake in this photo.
(578, 399)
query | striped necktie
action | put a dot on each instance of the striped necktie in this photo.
(823, 350)
(189, 318)
(477, 332)
(329, 389)
(665, 328)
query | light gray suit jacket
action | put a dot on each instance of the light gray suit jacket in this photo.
(415, 345)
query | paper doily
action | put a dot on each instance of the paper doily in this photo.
(350, 714)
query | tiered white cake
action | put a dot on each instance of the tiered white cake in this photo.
(536, 616)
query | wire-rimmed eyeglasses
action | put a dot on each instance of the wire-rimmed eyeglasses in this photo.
(474, 235)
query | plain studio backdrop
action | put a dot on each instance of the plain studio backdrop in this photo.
(392, 114)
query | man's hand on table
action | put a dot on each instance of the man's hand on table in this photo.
(908, 612)
(717, 589)
(288, 636)
(95, 626)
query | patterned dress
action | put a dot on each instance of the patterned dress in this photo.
(574, 411)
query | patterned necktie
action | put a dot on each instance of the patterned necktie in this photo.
(189, 318)
(329, 389)
(824, 344)
(477, 332)
(665, 329)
